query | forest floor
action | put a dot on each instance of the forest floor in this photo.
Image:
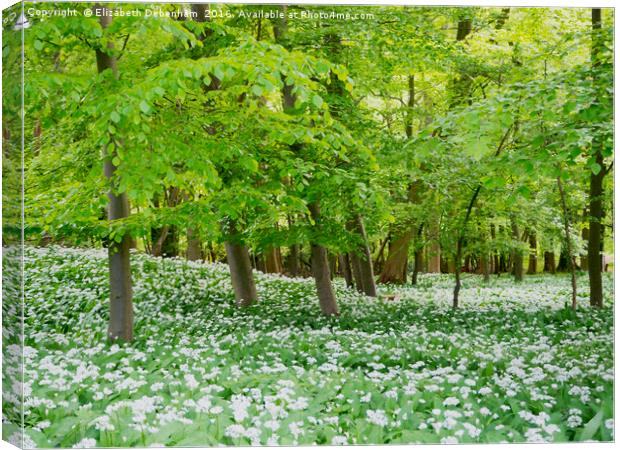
(512, 365)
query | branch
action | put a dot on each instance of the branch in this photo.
(123, 49)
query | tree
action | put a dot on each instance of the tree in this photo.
(598, 168)
(121, 307)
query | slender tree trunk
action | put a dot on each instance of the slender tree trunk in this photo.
(531, 266)
(457, 274)
(496, 262)
(583, 259)
(461, 238)
(485, 269)
(212, 253)
(595, 240)
(345, 265)
(165, 239)
(365, 261)
(292, 261)
(320, 270)
(357, 272)
(120, 326)
(517, 256)
(459, 249)
(596, 188)
(158, 236)
(485, 264)
(568, 243)
(434, 253)
(418, 258)
(380, 254)
(121, 303)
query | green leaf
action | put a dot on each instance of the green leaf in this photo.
(115, 117)
(317, 101)
(322, 67)
(595, 167)
(249, 164)
(591, 427)
(218, 72)
(144, 107)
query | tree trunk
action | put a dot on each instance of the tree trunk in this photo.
(345, 265)
(170, 247)
(238, 259)
(396, 262)
(459, 248)
(461, 84)
(434, 258)
(531, 266)
(332, 260)
(563, 262)
(165, 239)
(433, 253)
(549, 262)
(568, 244)
(596, 189)
(595, 239)
(120, 326)
(194, 246)
(357, 272)
(418, 257)
(395, 268)
(457, 274)
(380, 259)
(365, 261)
(320, 270)
(583, 259)
(495, 254)
(484, 267)
(292, 260)
(467, 265)
(260, 262)
(273, 260)
(517, 256)
(212, 253)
